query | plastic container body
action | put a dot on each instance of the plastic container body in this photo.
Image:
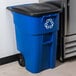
(37, 40)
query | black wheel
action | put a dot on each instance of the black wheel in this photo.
(21, 61)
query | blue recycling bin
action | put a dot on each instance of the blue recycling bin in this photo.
(36, 28)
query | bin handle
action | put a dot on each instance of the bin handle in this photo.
(47, 42)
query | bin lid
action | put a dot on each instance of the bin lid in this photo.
(35, 9)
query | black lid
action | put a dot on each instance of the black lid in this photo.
(35, 9)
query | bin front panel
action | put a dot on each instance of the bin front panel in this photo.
(36, 40)
(36, 25)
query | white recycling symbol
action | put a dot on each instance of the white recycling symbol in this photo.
(49, 23)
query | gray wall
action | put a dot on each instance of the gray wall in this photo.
(72, 26)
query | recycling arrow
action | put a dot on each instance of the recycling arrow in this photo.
(49, 23)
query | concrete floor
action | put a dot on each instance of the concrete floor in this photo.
(13, 69)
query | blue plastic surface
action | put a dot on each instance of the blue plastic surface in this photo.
(37, 40)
